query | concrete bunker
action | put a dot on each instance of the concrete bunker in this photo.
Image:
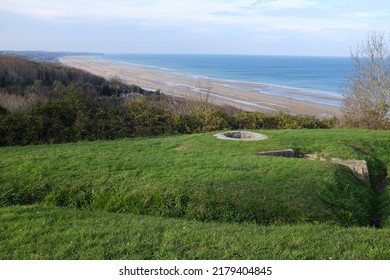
(358, 167)
(289, 153)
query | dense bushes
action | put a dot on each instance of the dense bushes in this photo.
(81, 116)
(206, 120)
(3, 110)
(259, 120)
(59, 121)
(147, 120)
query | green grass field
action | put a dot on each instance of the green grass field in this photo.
(40, 232)
(195, 197)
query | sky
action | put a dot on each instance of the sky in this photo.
(262, 27)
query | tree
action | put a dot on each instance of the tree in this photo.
(367, 96)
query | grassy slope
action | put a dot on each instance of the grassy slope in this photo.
(194, 177)
(37, 232)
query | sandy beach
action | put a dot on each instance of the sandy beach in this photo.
(245, 95)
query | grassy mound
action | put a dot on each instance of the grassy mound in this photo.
(200, 177)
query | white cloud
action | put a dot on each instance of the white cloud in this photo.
(254, 15)
(153, 9)
(283, 4)
(183, 26)
(100, 9)
(366, 14)
(34, 8)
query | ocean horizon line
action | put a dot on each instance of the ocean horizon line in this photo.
(219, 54)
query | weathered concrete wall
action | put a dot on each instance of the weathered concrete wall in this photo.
(278, 153)
(358, 167)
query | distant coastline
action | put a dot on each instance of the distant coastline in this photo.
(249, 96)
(46, 56)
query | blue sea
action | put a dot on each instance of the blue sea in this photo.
(324, 75)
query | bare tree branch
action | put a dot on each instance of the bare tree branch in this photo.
(367, 96)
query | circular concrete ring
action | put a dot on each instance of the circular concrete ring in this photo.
(241, 136)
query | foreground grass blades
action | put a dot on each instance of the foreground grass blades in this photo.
(40, 232)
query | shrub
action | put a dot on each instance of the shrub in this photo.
(259, 120)
(188, 124)
(3, 110)
(147, 120)
(211, 119)
(249, 120)
(286, 121)
(56, 121)
(20, 129)
(206, 120)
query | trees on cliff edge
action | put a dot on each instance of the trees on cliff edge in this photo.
(367, 95)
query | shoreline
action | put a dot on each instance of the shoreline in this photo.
(244, 95)
(327, 97)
